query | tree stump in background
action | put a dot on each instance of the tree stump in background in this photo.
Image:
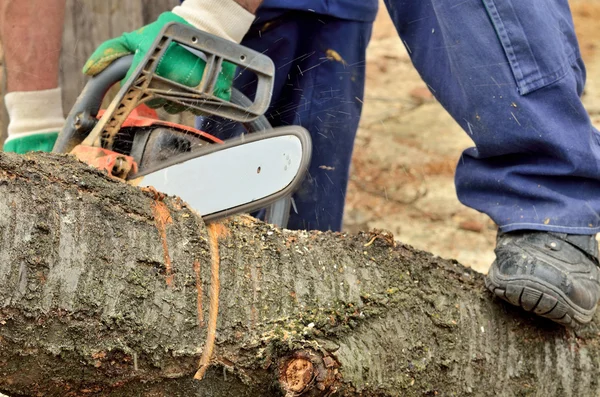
(88, 23)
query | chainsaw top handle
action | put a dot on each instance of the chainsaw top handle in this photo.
(144, 84)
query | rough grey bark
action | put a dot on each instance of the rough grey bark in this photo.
(105, 291)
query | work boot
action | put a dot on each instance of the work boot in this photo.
(554, 275)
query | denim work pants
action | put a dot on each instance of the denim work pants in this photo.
(510, 73)
(319, 84)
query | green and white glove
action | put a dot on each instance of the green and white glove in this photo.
(224, 18)
(35, 117)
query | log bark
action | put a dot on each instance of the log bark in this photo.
(105, 290)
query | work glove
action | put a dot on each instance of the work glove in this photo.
(35, 117)
(224, 18)
(36, 142)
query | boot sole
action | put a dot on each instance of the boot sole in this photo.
(539, 297)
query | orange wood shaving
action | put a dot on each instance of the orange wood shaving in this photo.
(215, 231)
(162, 218)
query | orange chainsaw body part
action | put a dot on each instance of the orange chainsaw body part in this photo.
(116, 164)
(120, 165)
(143, 116)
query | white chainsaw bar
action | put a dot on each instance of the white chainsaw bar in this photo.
(244, 174)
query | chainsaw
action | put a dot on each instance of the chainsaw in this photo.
(258, 170)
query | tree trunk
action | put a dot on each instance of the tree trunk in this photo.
(106, 290)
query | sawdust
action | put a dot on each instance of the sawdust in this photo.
(162, 218)
(216, 231)
(335, 56)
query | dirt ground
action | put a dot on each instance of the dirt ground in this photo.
(408, 146)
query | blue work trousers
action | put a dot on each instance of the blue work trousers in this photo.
(510, 73)
(319, 84)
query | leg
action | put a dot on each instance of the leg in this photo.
(515, 90)
(31, 33)
(514, 87)
(320, 73)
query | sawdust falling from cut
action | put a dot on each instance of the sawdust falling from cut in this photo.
(335, 56)
(216, 231)
(162, 218)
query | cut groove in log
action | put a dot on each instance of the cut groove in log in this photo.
(85, 308)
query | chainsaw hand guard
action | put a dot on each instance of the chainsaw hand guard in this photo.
(144, 84)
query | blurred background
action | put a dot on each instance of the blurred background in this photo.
(407, 146)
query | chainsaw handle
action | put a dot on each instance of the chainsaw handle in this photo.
(82, 117)
(145, 84)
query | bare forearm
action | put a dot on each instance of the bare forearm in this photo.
(31, 34)
(250, 5)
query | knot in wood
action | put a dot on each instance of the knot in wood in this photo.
(298, 374)
(308, 373)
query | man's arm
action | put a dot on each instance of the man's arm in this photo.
(250, 5)
(31, 34)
